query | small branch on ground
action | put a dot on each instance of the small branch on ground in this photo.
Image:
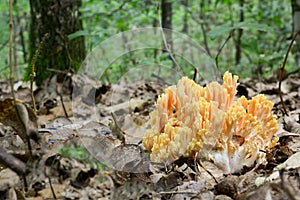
(51, 187)
(199, 162)
(13, 163)
(116, 130)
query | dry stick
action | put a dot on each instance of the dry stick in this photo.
(51, 187)
(32, 69)
(12, 162)
(61, 97)
(221, 48)
(195, 74)
(179, 192)
(240, 185)
(282, 70)
(12, 83)
(116, 130)
(49, 178)
(63, 105)
(58, 92)
(203, 167)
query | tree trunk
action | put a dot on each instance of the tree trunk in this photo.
(296, 20)
(238, 47)
(58, 18)
(202, 25)
(166, 16)
(185, 28)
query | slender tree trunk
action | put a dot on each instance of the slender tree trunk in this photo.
(58, 18)
(238, 47)
(17, 31)
(203, 28)
(166, 16)
(22, 40)
(155, 23)
(185, 28)
(296, 19)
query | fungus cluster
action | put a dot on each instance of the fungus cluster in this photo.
(209, 124)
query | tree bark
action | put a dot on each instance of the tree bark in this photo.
(58, 18)
(238, 47)
(166, 16)
(296, 20)
(203, 28)
(185, 28)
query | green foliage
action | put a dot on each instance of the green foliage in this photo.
(266, 27)
(79, 153)
(266, 23)
(20, 9)
(225, 29)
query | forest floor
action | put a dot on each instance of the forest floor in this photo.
(79, 159)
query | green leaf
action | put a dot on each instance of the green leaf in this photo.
(256, 26)
(225, 29)
(220, 30)
(77, 34)
(226, 2)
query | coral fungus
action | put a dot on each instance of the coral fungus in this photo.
(207, 122)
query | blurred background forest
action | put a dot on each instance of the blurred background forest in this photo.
(255, 33)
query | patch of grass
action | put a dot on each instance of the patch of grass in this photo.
(80, 153)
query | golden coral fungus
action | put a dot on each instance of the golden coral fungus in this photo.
(206, 122)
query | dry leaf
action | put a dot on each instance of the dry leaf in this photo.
(26, 117)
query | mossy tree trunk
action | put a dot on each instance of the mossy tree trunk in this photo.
(58, 19)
